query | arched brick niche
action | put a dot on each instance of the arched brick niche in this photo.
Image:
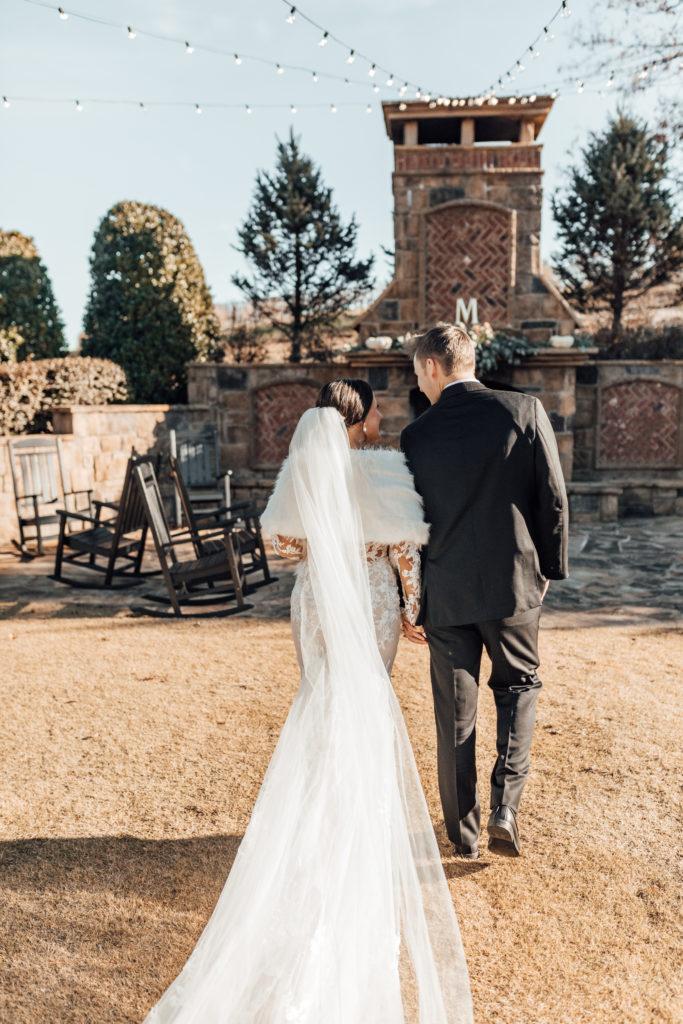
(468, 252)
(277, 408)
(639, 425)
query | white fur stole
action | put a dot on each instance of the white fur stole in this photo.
(390, 507)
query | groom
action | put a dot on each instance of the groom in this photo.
(487, 467)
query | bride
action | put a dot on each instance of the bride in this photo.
(336, 910)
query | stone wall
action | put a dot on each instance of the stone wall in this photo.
(256, 407)
(95, 443)
(629, 420)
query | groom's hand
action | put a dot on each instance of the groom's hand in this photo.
(415, 634)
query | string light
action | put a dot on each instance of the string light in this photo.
(79, 106)
(333, 108)
(579, 86)
(316, 77)
(368, 109)
(533, 49)
(403, 106)
(5, 102)
(292, 109)
(237, 59)
(249, 109)
(566, 10)
(610, 80)
(142, 106)
(279, 70)
(294, 13)
(197, 109)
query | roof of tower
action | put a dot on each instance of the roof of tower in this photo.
(499, 119)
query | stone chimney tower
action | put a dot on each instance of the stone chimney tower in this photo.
(467, 189)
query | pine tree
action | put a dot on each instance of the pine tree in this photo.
(149, 308)
(28, 311)
(619, 230)
(302, 256)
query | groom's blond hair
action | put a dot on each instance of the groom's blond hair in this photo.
(450, 345)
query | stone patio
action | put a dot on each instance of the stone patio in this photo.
(627, 572)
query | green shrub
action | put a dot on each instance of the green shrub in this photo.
(29, 390)
(27, 304)
(641, 343)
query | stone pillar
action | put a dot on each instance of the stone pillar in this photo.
(410, 133)
(467, 131)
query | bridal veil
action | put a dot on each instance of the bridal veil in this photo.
(337, 909)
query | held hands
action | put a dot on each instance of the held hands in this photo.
(415, 634)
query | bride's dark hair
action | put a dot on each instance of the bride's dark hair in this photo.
(350, 396)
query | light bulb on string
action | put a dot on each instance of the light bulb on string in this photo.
(390, 80)
(347, 82)
(519, 67)
(554, 94)
(249, 109)
(610, 80)
(403, 89)
(548, 33)
(279, 70)
(512, 100)
(375, 87)
(197, 109)
(534, 52)
(532, 98)
(566, 10)
(644, 73)
(62, 13)
(579, 86)
(5, 102)
(325, 39)
(524, 100)
(403, 106)
(237, 59)
(142, 106)
(189, 48)
(292, 109)
(351, 57)
(291, 17)
(316, 76)
(131, 32)
(333, 108)
(372, 71)
(79, 106)
(368, 109)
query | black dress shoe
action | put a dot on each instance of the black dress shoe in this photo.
(503, 831)
(466, 852)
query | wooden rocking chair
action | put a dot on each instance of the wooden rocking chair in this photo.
(240, 516)
(38, 480)
(121, 538)
(192, 582)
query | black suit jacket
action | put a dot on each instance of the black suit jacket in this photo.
(487, 467)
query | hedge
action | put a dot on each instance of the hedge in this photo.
(29, 390)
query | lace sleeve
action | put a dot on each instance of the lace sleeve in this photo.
(289, 547)
(405, 557)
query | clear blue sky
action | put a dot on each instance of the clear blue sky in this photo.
(62, 170)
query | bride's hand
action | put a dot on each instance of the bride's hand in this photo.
(415, 634)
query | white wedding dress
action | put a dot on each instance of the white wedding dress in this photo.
(337, 909)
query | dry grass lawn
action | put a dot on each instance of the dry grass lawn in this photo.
(132, 752)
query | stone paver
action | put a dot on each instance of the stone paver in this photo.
(627, 571)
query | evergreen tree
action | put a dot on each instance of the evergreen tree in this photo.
(302, 257)
(619, 230)
(28, 311)
(149, 308)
